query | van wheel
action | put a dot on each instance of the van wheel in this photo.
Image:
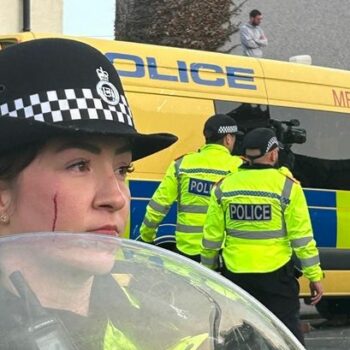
(334, 308)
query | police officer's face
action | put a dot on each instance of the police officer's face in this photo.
(75, 185)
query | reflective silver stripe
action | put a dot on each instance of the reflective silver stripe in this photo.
(211, 245)
(189, 229)
(300, 242)
(256, 234)
(218, 193)
(209, 261)
(252, 193)
(193, 208)
(177, 166)
(150, 224)
(284, 200)
(287, 189)
(310, 261)
(205, 171)
(158, 207)
(177, 169)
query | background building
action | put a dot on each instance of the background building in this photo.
(45, 15)
(315, 27)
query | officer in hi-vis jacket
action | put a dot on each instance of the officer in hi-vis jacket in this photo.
(189, 180)
(258, 216)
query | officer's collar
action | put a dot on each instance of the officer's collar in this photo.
(258, 166)
(214, 146)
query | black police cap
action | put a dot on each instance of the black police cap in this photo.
(263, 139)
(55, 87)
(219, 125)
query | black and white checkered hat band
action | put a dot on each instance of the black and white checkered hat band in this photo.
(231, 129)
(67, 105)
(272, 142)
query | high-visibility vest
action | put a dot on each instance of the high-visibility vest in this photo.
(257, 217)
(116, 340)
(188, 180)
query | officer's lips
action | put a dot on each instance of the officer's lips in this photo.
(108, 230)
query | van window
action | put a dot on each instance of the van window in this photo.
(246, 115)
(323, 161)
(328, 133)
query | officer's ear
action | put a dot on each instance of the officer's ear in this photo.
(274, 156)
(229, 141)
(6, 198)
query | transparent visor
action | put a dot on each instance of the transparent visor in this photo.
(87, 291)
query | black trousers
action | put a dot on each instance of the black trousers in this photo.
(192, 257)
(277, 290)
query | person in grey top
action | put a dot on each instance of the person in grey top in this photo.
(252, 36)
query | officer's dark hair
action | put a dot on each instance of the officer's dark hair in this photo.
(254, 13)
(14, 161)
(216, 141)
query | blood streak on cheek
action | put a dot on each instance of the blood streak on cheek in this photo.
(54, 212)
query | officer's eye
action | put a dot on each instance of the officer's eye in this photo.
(80, 166)
(122, 171)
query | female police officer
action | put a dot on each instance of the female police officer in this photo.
(67, 140)
(66, 143)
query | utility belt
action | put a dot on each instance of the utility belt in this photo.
(291, 268)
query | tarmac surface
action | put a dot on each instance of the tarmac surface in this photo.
(322, 334)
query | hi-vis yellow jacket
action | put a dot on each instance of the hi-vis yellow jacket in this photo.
(116, 340)
(257, 216)
(188, 180)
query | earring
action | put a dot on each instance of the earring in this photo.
(4, 219)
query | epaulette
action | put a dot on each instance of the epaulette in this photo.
(183, 155)
(180, 157)
(286, 172)
(218, 183)
(217, 190)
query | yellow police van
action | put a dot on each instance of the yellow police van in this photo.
(176, 90)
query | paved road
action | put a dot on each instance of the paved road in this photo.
(324, 335)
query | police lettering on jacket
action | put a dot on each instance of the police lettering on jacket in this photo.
(251, 212)
(200, 187)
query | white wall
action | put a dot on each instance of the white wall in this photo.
(319, 28)
(46, 16)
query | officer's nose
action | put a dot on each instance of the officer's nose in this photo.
(112, 194)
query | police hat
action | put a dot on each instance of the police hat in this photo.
(263, 139)
(57, 87)
(219, 125)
